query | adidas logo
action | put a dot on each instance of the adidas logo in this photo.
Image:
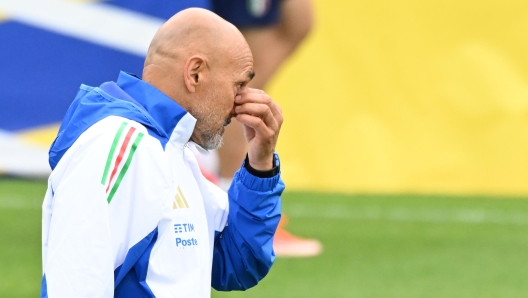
(179, 200)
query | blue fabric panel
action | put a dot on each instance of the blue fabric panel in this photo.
(44, 288)
(130, 278)
(113, 90)
(141, 267)
(40, 72)
(239, 12)
(159, 8)
(130, 287)
(88, 108)
(163, 109)
(243, 251)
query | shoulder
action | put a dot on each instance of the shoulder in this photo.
(112, 138)
(119, 131)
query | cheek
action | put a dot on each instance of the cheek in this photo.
(229, 99)
(226, 98)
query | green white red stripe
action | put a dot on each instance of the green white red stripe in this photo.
(114, 161)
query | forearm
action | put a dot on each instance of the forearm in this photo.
(243, 252)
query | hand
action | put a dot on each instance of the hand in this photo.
(262, 120)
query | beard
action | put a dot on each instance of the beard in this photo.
(212, 140)
(207, 118)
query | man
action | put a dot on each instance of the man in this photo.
(127, 212)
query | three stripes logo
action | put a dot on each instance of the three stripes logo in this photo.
(119, 158)
(179, 200)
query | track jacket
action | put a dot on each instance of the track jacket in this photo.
(128, 213)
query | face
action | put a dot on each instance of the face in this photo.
(216, 105)
(211, 119)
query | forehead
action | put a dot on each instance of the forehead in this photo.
(238, 59)
(243, 65)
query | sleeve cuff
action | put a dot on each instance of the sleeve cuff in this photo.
(256, 183)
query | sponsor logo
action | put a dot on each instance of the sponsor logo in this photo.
(186, 242)
(179, 200)
(258, 8)
(185, 228)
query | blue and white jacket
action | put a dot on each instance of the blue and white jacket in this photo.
(128, 213)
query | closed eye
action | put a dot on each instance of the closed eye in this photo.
(240, 86)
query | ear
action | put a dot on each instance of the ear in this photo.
(194, 72)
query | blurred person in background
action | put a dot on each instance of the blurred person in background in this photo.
(273, 30)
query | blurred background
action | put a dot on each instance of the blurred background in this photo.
(404, 149)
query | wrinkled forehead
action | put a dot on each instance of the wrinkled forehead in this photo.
(244, 64)
(237, 58)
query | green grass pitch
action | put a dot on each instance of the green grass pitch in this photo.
(375, 246)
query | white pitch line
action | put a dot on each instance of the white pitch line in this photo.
(404, 214)
(102, 24)
(19, 203)
(21, 159)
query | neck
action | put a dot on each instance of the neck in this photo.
(166, 82)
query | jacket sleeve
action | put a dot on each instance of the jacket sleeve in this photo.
(243, 251)
(91, 223)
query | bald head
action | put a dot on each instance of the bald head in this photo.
(192, 31)
(199, 60)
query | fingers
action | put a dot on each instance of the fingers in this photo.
(257, 103)
(261, 111)
(247, 95)
(262, 120)
(255, 123)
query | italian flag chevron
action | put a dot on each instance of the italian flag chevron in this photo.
(124, 146)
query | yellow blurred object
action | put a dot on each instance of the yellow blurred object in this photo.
(41, 136)
(3, 16)
(408, 96)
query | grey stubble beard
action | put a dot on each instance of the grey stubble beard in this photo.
(205, 116)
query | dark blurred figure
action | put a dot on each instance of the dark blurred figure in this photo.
(273, 30)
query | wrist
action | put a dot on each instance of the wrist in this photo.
(268, 173)
(261, 165)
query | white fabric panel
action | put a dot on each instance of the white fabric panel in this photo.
(102, 24)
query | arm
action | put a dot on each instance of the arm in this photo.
(272, 45)
(243, 251)
(91, 219)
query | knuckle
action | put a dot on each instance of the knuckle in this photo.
(270, 133)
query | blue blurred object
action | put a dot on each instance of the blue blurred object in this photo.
(159, 8)
(41, 70)
(248, 13)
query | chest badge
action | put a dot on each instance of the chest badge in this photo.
(179, 200)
